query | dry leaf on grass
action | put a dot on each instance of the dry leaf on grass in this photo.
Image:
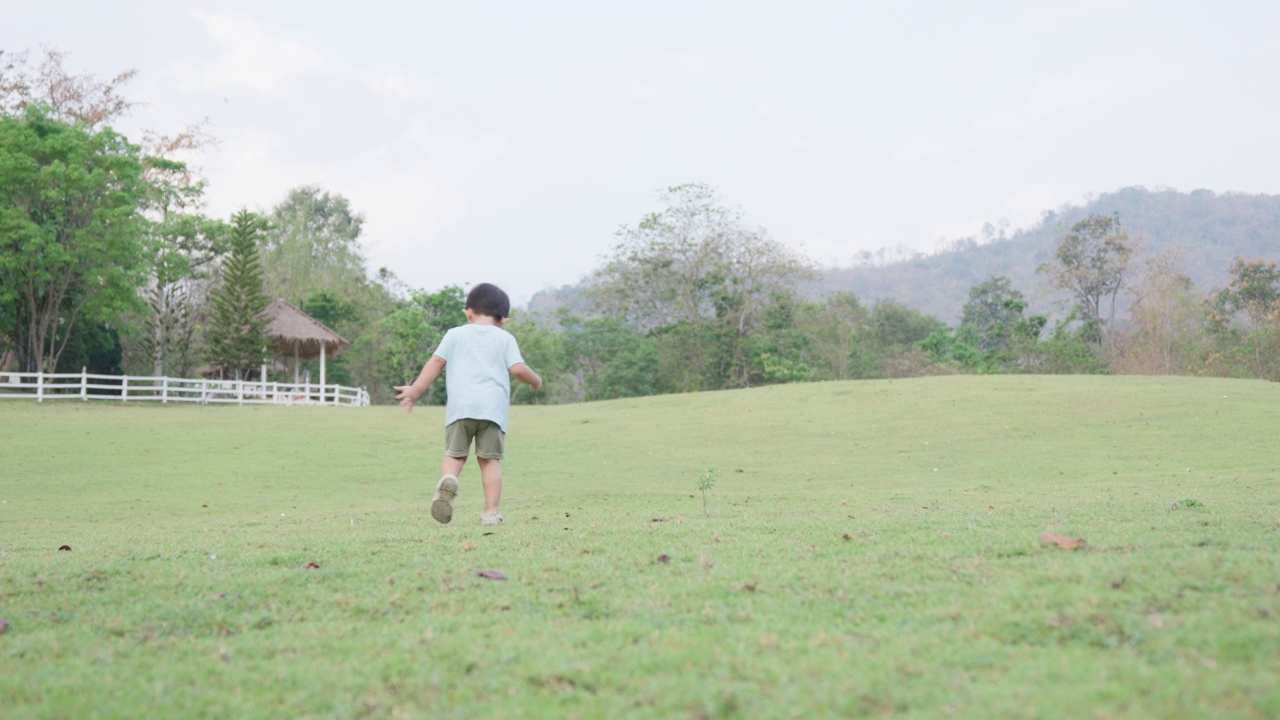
(1062, 541)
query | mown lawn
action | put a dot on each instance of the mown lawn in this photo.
(869, 549)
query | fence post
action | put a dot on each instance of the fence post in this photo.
(84, 383)
(164, 390)
(124, 389)
(240, 392)
(40, 385)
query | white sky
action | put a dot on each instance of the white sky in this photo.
(507, 141)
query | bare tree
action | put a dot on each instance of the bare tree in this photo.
(69, 98)
(697, 272)
(1166, 320)
(1090, 265)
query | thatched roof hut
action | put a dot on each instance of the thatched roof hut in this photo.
(293, 332)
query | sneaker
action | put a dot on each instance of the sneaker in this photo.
(493, 517)
(442, 502)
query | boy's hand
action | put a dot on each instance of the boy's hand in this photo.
(406, 397)
(410, 393)
(526, 375)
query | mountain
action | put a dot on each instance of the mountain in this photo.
(544, 304)
(1211, 229)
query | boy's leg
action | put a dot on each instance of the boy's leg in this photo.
(491, 479)
(456, 442)
(452, 466)
(490, 441)
(446, 490)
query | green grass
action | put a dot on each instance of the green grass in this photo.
(869, 549)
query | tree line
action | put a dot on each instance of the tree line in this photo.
(108, 261)
(692, 298)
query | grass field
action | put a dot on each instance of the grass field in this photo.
(869, 549)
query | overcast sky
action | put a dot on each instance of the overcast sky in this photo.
(507, 141)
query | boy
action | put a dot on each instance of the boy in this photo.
(479, 356)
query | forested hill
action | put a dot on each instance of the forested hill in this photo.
(1211, 229)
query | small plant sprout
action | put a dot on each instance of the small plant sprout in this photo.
(706, 481)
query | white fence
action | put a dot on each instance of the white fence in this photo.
(86, 386)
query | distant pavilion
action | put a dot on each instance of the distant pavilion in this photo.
(293, 332)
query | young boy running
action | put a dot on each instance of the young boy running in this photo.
(480, 357)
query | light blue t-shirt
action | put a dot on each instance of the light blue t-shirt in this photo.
(477, 372)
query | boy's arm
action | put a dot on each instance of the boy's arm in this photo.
(410, 393)
(526, 375)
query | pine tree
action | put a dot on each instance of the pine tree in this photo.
(238, 328)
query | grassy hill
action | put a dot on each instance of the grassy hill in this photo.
(1211, 230)
(869, 549)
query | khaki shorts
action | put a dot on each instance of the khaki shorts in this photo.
(489, 439)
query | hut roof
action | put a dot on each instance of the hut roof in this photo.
(289, 328)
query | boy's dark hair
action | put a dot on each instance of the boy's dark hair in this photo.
(487, 299)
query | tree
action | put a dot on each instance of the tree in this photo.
(332, 312)
(1248, 311)
(782, 348)
(837, 333)
(1167, 321)
(413, 329)
(1021, 352)
(700, 279)
(185, 245)
(70, 232)
(1089, 265)
(542, 348)
(1070, 349)
(894, 325)
(896, 334)
(312, 248)
(94, 347)
(178, 239)
(607, 358)
(957, 349)
(990, 314)
(313, 244)
(369, 340)
(238, 329)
